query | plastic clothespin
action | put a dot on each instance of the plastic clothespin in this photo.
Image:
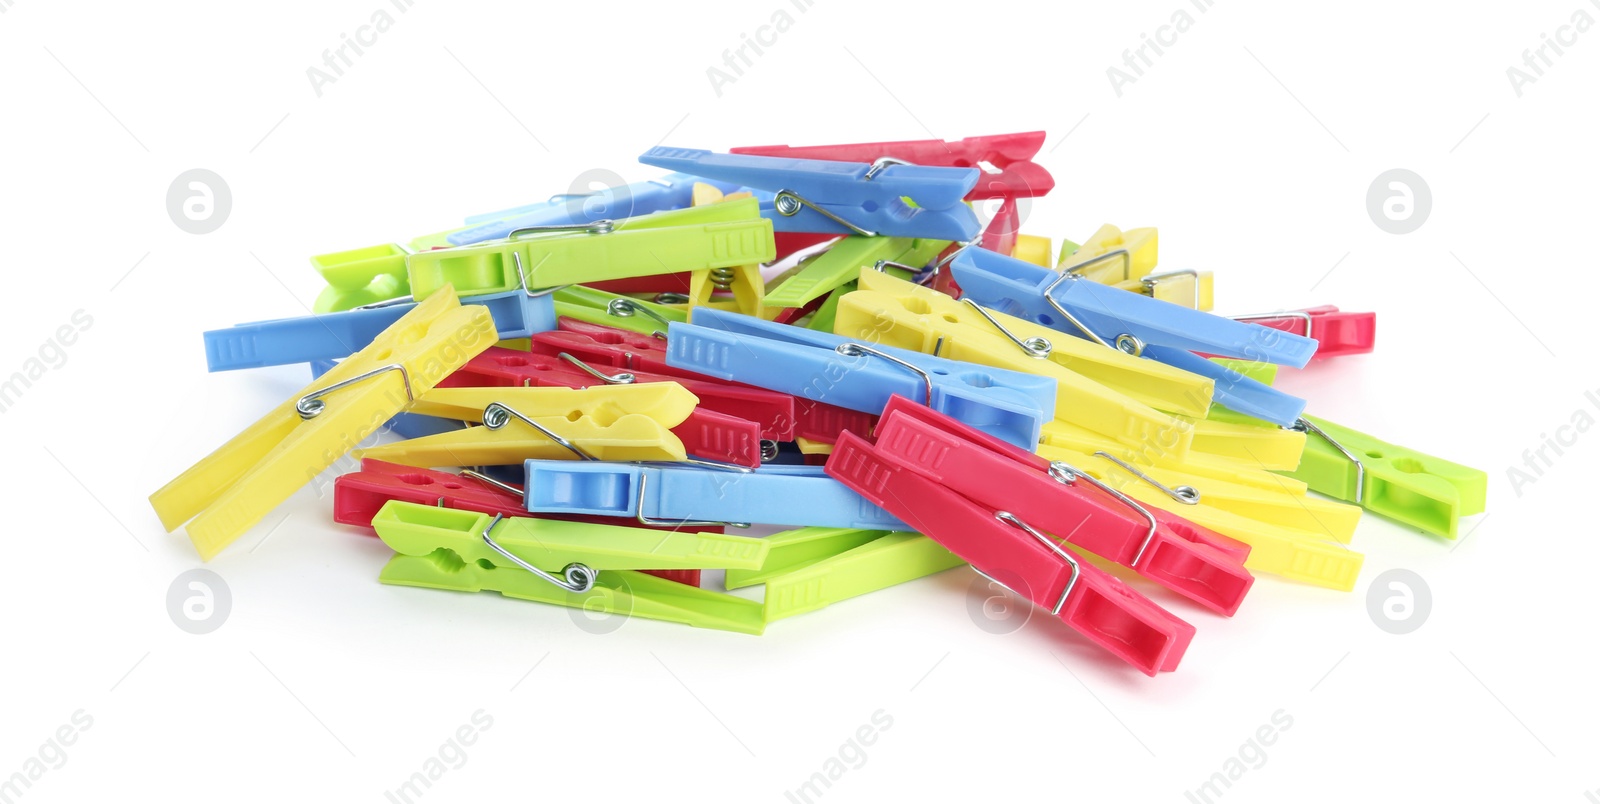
(842, 197)
(690, 495)
(1092, 383)
(601, 345)
(1000, 234)
(1425, 492)
(1112, 255)
(666, 402)
(331, 336)
(1336, 333)
(590, 566)
(857, 375)
(595, 438)
(796, 549)
(231, 489)
(885, 561)
(842, 263)
(672, 191)
(1066, 302)
(1249, 441)
(1011, 552)
(772, 412)
(1016, 175)
(1062, 435)
(1139, 325)
(1192, 561)
(716, 236)
(614, 310)
(360, 276)
(1032, 249)
(1276, 548)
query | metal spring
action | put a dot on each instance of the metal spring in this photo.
(722, 278)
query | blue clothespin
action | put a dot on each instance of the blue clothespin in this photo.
(1233, 390)
(1115, 316)
(859, 374)
(517, 314)
(672, 191)
(1140, 325)
(812, 195)
(693, 496)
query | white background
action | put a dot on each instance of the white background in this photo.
(1251, 144)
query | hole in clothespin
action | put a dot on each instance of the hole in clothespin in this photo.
(1410, 466)
(988, 167)
(415, 479)
(1372, 453)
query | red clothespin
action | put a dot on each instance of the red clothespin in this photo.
(357, 496)
(720, 428)
(1199, 564)
(659, 283)
(1017, 176)
(1009, 551)
(1001, 233)
(786, 244)
(629, 351)
(1337, 333)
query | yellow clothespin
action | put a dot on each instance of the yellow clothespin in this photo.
(899, 313)
(1278, 546)
(1067, 436)
(744, 281)
(1265, 445)
(1127, 260)
(600, 435)
(231, 489)
(666, 402)
(1034, 249)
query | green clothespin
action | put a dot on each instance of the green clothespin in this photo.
(879, 564)
(791, 550)
(615, 591)
(361, 276)
(721, 235)
(614, 310)
(842, 263)
(822, 320)
(1419, 490)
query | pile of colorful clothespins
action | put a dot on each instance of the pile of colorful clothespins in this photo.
(822, 338)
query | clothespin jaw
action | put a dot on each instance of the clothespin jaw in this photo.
(717, 236)
(589, 565)
(842, 263)
(1337, 333)
(1201, 565)
(1111, 255)
(358, 496)
(842, 197)
(692, 495)
(1112, 316)
(797, 549)
(231, 489)
(1011, 552)
(1423, 491)
(331, 336)
(858, 376)
(1032, 249)
(1016, 175)
(361, 276)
